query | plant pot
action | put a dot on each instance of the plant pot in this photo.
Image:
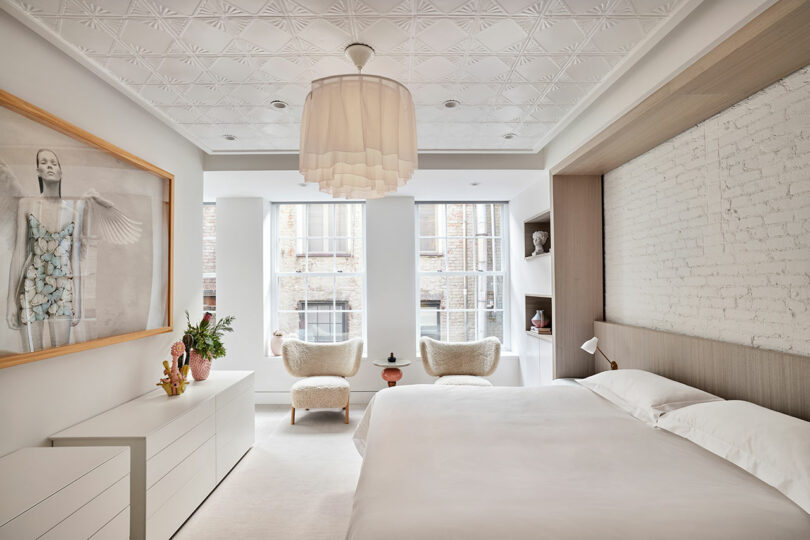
(200, 367)
(275, 344)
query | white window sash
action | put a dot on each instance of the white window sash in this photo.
(301, 240)
(477, 243)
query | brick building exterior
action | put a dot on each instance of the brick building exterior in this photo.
(320, 270)
(209, 241)
(471, 241)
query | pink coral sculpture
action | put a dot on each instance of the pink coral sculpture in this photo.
(174, 383)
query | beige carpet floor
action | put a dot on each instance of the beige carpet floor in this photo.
(297, 482)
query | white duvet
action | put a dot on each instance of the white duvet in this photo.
(555, 462)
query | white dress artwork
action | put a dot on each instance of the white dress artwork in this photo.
(52, 239)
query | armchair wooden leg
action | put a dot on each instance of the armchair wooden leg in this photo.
(292, 416)
(347, 412)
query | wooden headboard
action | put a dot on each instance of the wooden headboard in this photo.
(773, 379)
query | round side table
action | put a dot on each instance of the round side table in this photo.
(391, 374)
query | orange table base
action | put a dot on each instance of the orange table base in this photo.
(391, 375)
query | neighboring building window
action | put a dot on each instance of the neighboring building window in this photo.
(327, 226)
(430, 322)
(431, 229)
(322, 321)
(319, 270)
(462, 270)
(209, 244)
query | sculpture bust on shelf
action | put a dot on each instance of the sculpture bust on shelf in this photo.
(539, 238)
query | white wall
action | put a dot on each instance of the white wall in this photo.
(241, 287)
(243, 273)
(390, 278)
(708, 234)
(43, 397)
(528, 277)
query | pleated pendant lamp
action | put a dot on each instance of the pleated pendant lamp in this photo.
(358, 133)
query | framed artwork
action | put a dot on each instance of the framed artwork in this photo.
(85, 239)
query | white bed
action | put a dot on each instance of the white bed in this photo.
(554, 462)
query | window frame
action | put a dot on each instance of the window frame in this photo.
(334, 314)
(440, 221)
(503, 273)
(426, 305)
(302, 224)
(210, 275)
(275, 274)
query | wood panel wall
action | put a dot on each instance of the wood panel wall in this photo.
(773, 379)
(773, 45)
(576, 247)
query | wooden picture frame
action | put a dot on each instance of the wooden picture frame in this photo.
(162, 236)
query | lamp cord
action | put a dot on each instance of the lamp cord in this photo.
(613, 365)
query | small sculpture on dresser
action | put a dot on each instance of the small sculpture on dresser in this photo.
(174, 383)
(539, 238)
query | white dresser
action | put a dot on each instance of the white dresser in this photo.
(181, 446)
(65, 493)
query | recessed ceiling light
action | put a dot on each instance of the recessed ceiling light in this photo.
(509, 136)
(229, 137)
(452, 103)
(278, 104)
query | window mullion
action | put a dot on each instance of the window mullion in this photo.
(333, 318)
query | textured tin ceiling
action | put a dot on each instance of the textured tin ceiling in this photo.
(212, 67)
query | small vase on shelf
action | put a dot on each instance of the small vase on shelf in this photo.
(540, 320)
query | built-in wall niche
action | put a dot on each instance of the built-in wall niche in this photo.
(540, 222)
(534, 303)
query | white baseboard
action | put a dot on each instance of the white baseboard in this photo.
(283, 398)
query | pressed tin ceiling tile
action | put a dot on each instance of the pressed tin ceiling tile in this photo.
(214, 66)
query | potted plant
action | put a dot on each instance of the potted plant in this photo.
(206, 343)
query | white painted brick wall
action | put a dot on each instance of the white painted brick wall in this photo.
(708, 234)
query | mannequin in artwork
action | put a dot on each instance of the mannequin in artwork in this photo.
(52, 235)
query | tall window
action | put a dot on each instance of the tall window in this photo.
(209, 228)
(462, 270)
(320, 270)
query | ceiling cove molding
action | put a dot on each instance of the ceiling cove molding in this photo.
(76, 54)
(450, 161)
(642, 48)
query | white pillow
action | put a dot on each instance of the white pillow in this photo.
(772, 446)
(643, 394)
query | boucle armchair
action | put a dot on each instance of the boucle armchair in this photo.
(324, 367)
(461, 363)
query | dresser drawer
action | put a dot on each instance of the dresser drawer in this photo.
(164, 461)
(94, 515)
(234, 417)
(175, 429)
(115, 529)
(234, 391)
(163, 492)
(235, 432)
(56, 508)
(174, 497)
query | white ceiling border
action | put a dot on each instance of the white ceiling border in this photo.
(641, 49)
(76, 54)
